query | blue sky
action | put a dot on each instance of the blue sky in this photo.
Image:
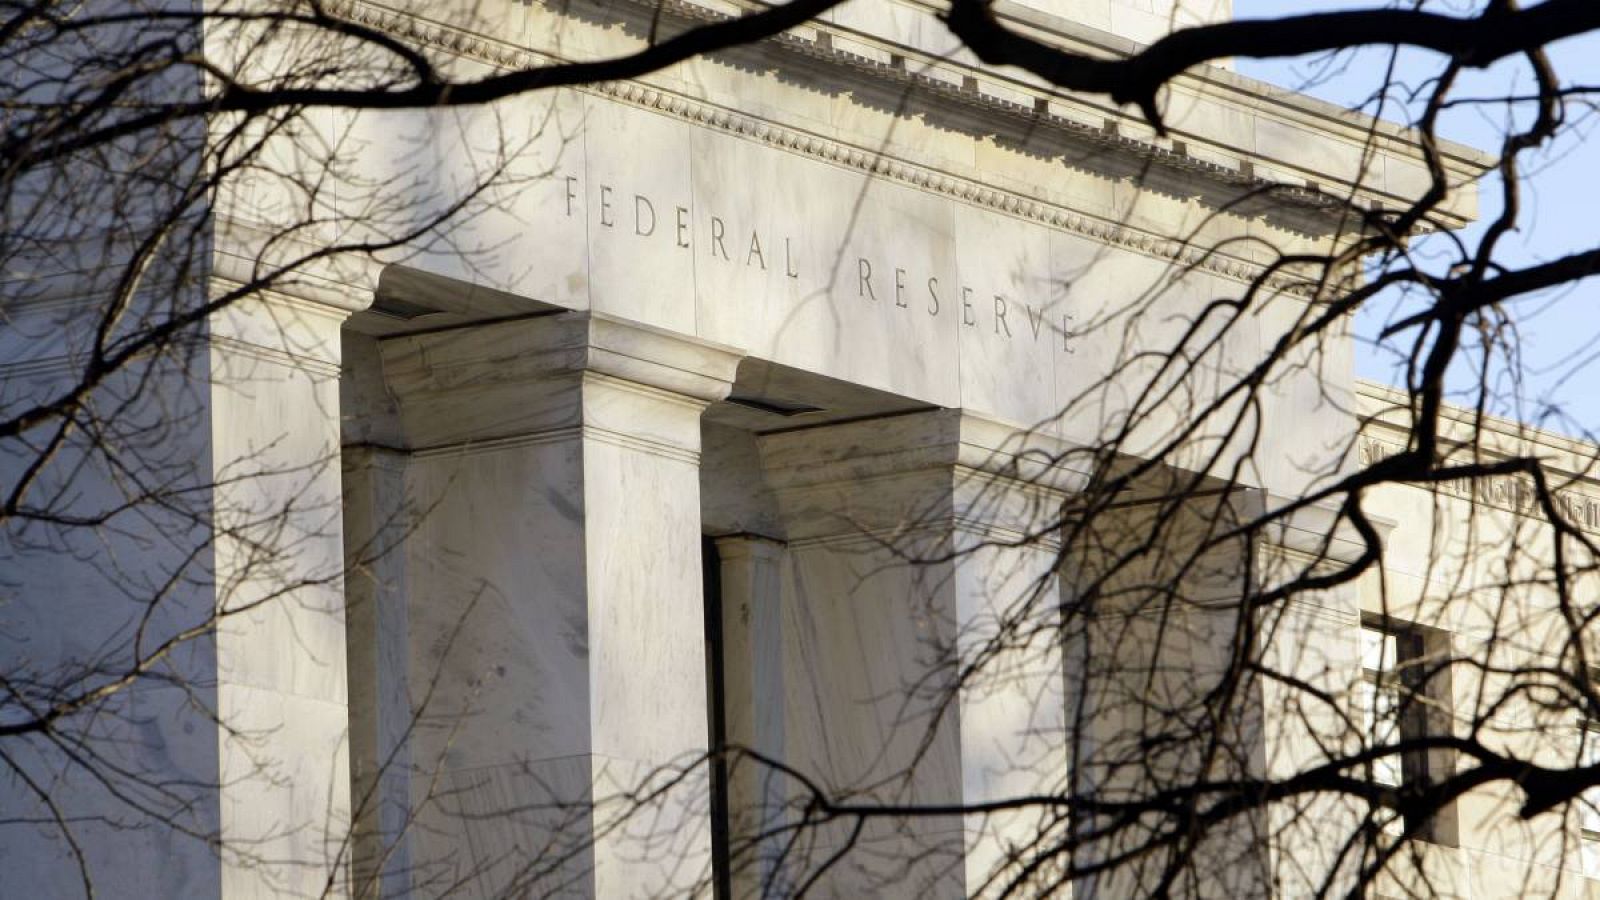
(1558, 334)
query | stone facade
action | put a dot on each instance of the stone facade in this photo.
(825, 322)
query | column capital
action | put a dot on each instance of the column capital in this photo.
(939, 439)
(924, 468)
(530, 375)
(1319, 531)
(247, 251)
(747, 545)
(275, 326)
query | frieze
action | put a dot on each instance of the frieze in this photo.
(625, 214)
(962, 189)
(1508, 492)
(505, 55)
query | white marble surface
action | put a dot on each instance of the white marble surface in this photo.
(279, 561)
(876, 612)
(889, 279)
(543, 616)
(753, 675)
(552, 589)
(376, 523)
(222, 771)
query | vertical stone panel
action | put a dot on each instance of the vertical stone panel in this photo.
(554, 604)
(918, 546)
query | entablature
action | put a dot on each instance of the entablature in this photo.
(1316, 166)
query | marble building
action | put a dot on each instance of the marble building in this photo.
(760, 390)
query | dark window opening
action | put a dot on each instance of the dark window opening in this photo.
(711, 578)
(1404, 697)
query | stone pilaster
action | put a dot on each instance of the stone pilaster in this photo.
(192, 597)
(1163, 588)
(376, 522)
(553, 582)
(753, 672)
(919, 546)
(1313, 639)
(281, 699)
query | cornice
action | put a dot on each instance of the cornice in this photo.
(1575, 497)
(1379, 401)
(966, 190)
(320, 369)
(1569, 468)
(341, 284)
(480, 383)
(968, 94)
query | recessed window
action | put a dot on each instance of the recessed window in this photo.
(1589, 808)
(1402, 698)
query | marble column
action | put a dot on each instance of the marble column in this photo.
(556, 666)
(1159, 586)
(1311, 639)
(921, 662)
(376, 521)
(279, 567)
(1153, 617)
(752, 668)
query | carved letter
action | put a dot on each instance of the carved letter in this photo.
(1000, 315)
(933, 308)
(638, 202)
(900, 288)
(966, 307)
(571, 194)
(683, 227)
(755, 251)
(605, 206)
(716, 238)
(788, 261)
(1035, 319)
(864, 270)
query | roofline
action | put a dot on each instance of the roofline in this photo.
(1499, 425)
(1115, 45)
